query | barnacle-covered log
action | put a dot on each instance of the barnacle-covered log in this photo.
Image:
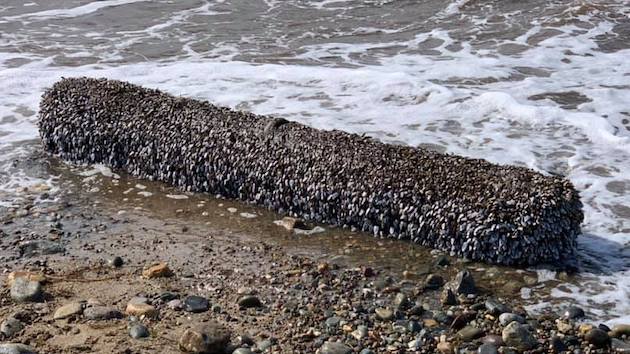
(467, 207)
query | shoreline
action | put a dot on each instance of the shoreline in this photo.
(308, 294)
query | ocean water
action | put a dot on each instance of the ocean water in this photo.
(543, 84)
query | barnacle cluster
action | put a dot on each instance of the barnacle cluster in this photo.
(466, 207)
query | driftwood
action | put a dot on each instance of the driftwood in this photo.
(466, 207)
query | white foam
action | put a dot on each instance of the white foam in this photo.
(71, 12)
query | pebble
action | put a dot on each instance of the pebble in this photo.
(366, 351)
(264, 345)
(175, 305)
(196, 304)
(73, 309)
(506, 318)
(16, 348)
(496, 308)
(573, 313)
(557, 345)
(619, 330)
(205, 338)
(384, 314)
(249, 301)
(433, 282)
(401, 301)
(25, 290)
(141, 309)
(445, 348)
(116, 262)
(334, 348)
(619, 346)
(448, 297)
(101, 313)
(360, 333)
(518, 336)
(464, 283)
(138, 330)
(597, 337)
(157, 271)
(10, 327)
(493, 339)
(487, 349)
(469, 333)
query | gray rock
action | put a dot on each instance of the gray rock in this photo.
(334, 348)
(249, 301)
(10, 327)
(332, 323)
(619, 346)
(597, 337)
(518, 336)
(469, 333)
(464, 283)
(138, 330)
(101, 313)
(196, 304)
(507, 318)
(401, 301)
(487, 349)
(366, 351)
(493, 339)
(68, 310)
(360, 333)
(209, 338)
(573, 313)
(25, 290)
(414, 326)
(264, 345)
(496, 308)
(16, 348)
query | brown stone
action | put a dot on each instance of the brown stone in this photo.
(210, 338)
(140, 309)
(157, 271)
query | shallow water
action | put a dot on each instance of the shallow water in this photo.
(544, 84)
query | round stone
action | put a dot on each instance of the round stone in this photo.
(116, 262)
(597, 337)
(138, 330)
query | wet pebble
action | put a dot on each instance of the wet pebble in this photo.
(196, 304)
